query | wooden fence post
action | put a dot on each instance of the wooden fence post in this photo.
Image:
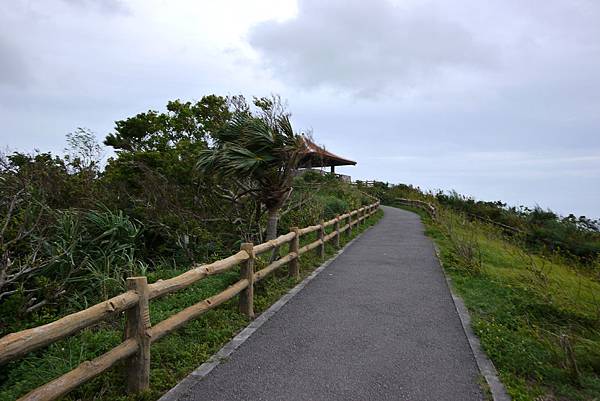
(321, 235)
(294, 266)
(247, 272)
(137, 326)
(349, 230)
(336, 227)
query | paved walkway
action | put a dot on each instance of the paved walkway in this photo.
(377, 324)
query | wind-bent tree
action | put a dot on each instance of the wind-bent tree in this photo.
(258, 153)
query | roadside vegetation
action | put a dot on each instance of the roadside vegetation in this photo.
(185, 186)
(533, 294)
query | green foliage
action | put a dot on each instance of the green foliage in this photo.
(258, 152)
(323, 199)
(84, 257)
(313, 176)
(84, 152)
(154, 131)
(161, 190)
(153, 180)
(334, 206)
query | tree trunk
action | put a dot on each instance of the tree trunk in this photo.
(272, 223)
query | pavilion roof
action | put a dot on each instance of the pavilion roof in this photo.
(317, 156)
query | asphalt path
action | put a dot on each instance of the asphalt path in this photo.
(378, 323)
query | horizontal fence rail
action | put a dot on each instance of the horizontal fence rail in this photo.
(495, 223)
(139, 335)
(427, 207)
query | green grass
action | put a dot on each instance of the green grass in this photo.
(538, 318)
(175, 356)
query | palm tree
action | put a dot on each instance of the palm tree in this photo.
(260, 155)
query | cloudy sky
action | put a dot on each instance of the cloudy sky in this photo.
(497, 99)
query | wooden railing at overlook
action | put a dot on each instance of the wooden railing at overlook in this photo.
(139, 335)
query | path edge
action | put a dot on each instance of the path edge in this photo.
(187, 383)
(485, 365)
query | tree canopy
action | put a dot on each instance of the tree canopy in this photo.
(154, 131)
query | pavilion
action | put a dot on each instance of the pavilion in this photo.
(317, 156)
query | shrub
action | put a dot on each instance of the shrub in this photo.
(333, 206)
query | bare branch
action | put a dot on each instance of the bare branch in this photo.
(9, 213)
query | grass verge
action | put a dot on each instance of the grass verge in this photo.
(175, 356)
(538, 318)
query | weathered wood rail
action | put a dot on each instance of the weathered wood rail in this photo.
(139, 335)
(427, 207)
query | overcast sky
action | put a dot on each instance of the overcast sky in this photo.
(496, 99)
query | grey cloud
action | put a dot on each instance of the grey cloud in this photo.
(365, 47)
(106, 6)
(13, 69)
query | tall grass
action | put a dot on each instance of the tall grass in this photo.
(537, 316)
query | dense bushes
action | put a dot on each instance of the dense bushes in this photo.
(333, 206)
(319, 197)
(54, 250)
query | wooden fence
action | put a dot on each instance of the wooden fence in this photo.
(139, 335)
(366, 183)
(503, 226)
(428, 207)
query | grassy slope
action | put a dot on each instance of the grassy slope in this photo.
(174, 356)
(527, 311)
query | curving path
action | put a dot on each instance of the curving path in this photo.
(377, 324)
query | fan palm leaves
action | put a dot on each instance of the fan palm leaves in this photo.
(259, 154)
